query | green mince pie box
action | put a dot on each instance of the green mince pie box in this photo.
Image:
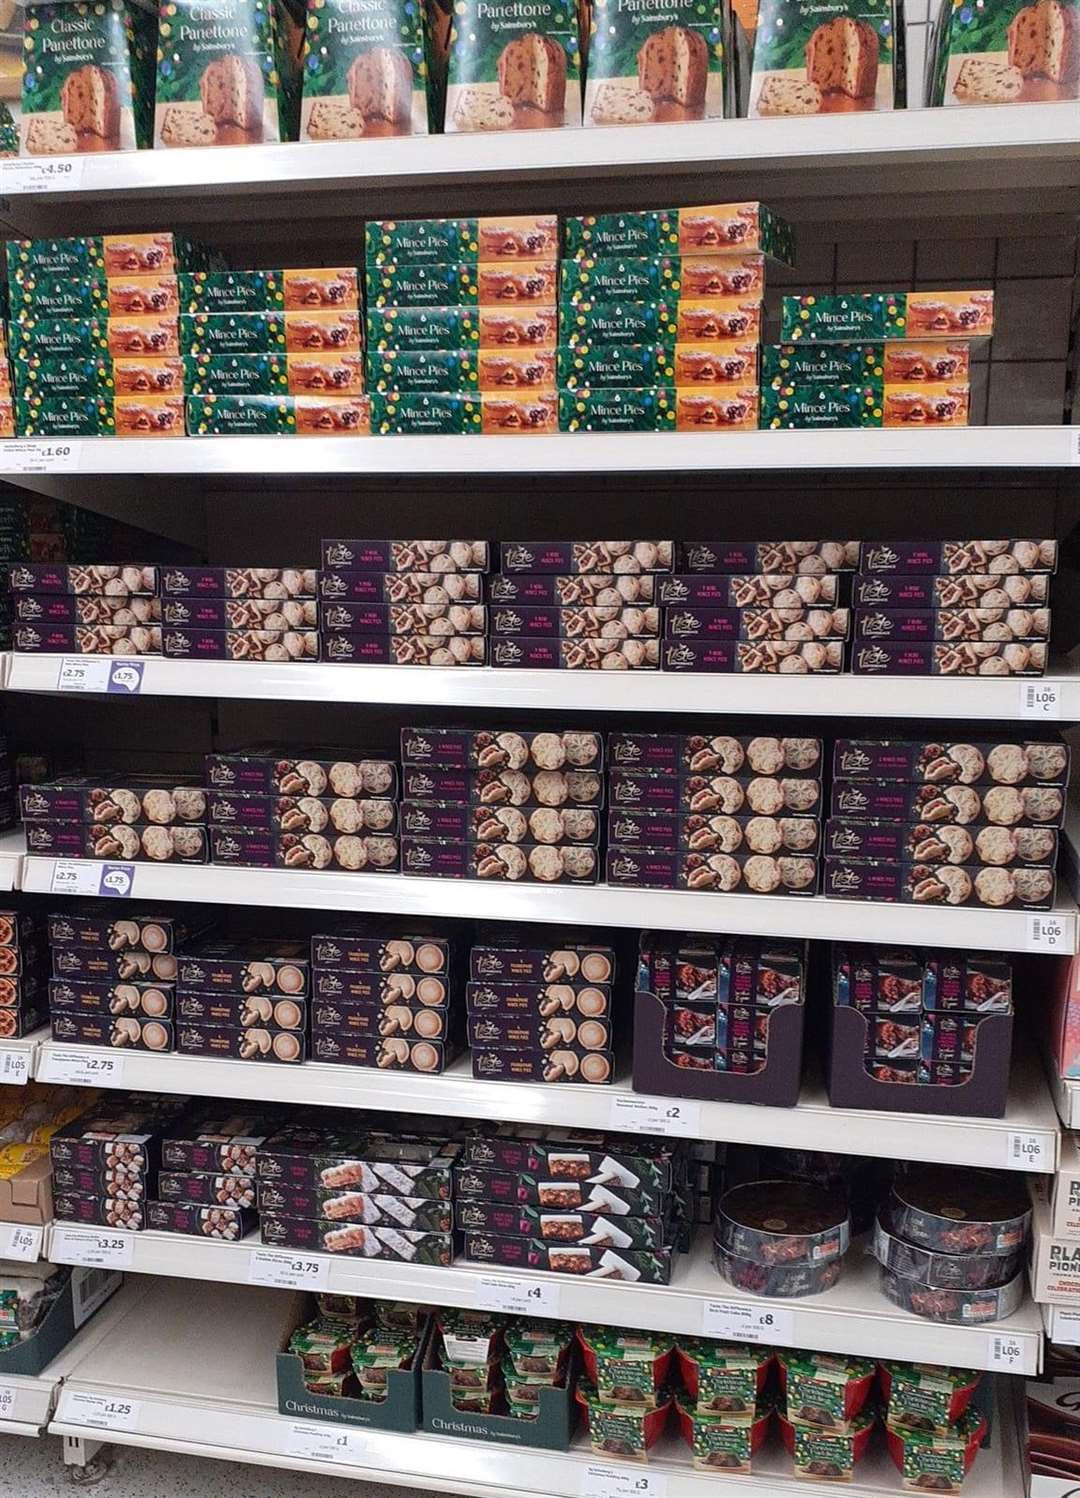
(88, 79)
(821, 363)
(59, 337)
(403, 285)
(613, 278)
(232, 291)
(1006, 52)
(65, 416)
(825, 57)
(418, 413)
(59, 296)
(448, 241)
(513, 65)
(655, 60)
(413, 370)
(366, 70)
(616, 366)
(236, 374)
(422, 328)
(617, 322)
(652, 232)
(51, 378)
(227, 73)
(223, 333)
(240, 415)
(588, 410)
(823, 407)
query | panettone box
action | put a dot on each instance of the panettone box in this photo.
(504, 76)
(366, 70)
(825, 57)
(1006, 52)
(655, 60)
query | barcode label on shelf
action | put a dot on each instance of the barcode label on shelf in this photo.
(77, 1067)
(748, 1321)
(19, 1241)
(1005, 1353)
(37, 174)
(40, 457)
(84, 876)
(15, 1068)
(497, 1292)
(97, 673)
(97, 1248)
(1040, 699)
(651, 1115)
(324, 1443)
(99, 1411)
(1029, 1152)
(621, 1481)
(8, 1395)
(286, 1271)
(1046, 933)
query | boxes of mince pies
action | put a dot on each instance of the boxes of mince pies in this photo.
(118, 841)
(375, 853)
(513, 862)
(265, 770)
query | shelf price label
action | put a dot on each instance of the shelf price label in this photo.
(15, 1068)
(656, 1115)
(20, 1241)
(100, 1411)
(1046, 933)
(97, 673)
(1006, 1354)
(30, 174)
(288, 1271)
(621, 1481)
(1028, 1152)
(37, 456)
(8, 1397)
(81, 1067)
(1041, 699)
(324, 1443)
(501, 1292)
(93, 1248)
(748, 1321)
(85, 876)
(1065, 1326)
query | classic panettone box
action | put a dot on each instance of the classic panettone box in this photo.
(513, 65)
(1006, 52)
(825, 57)
(654, 60)
(227, 74)
(366, 70)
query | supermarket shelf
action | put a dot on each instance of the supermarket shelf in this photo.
(12, 849)
(1030, 1119)
(933, 697)
(598, 904)
(225, 1407)
(853, 1317)
(1023, 447)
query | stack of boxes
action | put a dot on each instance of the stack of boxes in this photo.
(272, 808)
(95, 334)
(156, 819)
(206, 1185)
(384, 999)
(240, 613)
(946, 823)
(766, 607)
(953, 608)
(23, 974)
(874, 359)
(660, 317)
(406, 603)
(708, 811)
(541, 1010)
(7, 785)
(603, 1205)
(273, 352)
(245, 1000)
(579, 605)
(105, 1162)
(462, 322)
(502, 805)
(90, 609)
(114, 978)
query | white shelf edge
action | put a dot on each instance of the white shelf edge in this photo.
(599, 904)
(959, 1141)
(842, 696)
(1041, 447)
(917, 135)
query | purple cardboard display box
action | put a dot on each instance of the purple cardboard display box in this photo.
(722, 873)
(882, 590)
(553, 589)
(456, 822)
(370, 1017)
(239, 1010)
(949, 884)
(258, 1043)
(225, 1222)
(907, 625)
(205, 1189)
(373, 853)
(921, 842)
(405, 556)
(757, 622)
(712, 832)
(152, 1000)
(507, 749)
(324, 772)
(744, 755)
(962, 805)
(87, 608)
(344, 1047)
(119, 843)
(245, 967)
(379, 948)
(732, 590)
(581, 621)
(499, 1064)
(784, 657)
(530, 1030)
(301, 813)
(709, 794)
(536, 863)
(87, 639)
(239, 613)
(404, 650)
(941, 762)
(159, 801)
(240, 644)
(87, 577)
(360, 618)
(562, 788)
(576, 963)
(277, 583)
(816, 557)
(99, 1211)
(347, 587)
(777, 1084)
(951, 557)
(349, 985)
(100, 932)
(974, 658)
(585, 1001)
(549, 653)
(119, 1031)
(585, 556)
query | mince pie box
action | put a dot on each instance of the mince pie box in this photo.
(42, 295)
(708, 230)
(768, 657)
(1016, 888)
(620, 410)
(1006, 53)
(563, 1064)
(656, 61)
(65, 416)
(967, 590)
(278, 415)
(854, 317)
(87, 77)
(826, 58)
(642, 1266)
(810, 406)
(367, 71)
(432, 241)
(616, 366)
(66, 377)
(256, 1043)
(959, 658)
(958, 558)
(733, 557)
(227, 74)
(323, 1235)
(422, 413)
(343, 1046)
(59, 338)
(516, 70)
(105, 255)
(402, 284)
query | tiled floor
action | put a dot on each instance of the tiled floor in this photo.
(34, 1469)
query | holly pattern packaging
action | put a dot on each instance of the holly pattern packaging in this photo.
(88, 80)
(826, 57)
(228, 73)
(366, 70)
(1006, 52)
(653, 60)
(513, 65)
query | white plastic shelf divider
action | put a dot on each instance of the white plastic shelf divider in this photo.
(599, 904)
(1062, 1324)
(1028, 1132)
(853, 1317)
(226, 1407)
(593, 452)
(843, 696)
(12, 849)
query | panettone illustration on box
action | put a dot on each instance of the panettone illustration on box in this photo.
(830, 58)
(513, 66)
(1002, 53)
(88, 77)
(640, 71)
(366, 70)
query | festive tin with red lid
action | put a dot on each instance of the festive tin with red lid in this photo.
(922, 1396)
(828, 1455)
(822, 1389)
(783, 1222)
(722, 1376)
(933, 1461)
(722, 1441)
(956, 1211)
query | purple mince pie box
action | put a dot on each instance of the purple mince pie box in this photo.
(654, 830)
